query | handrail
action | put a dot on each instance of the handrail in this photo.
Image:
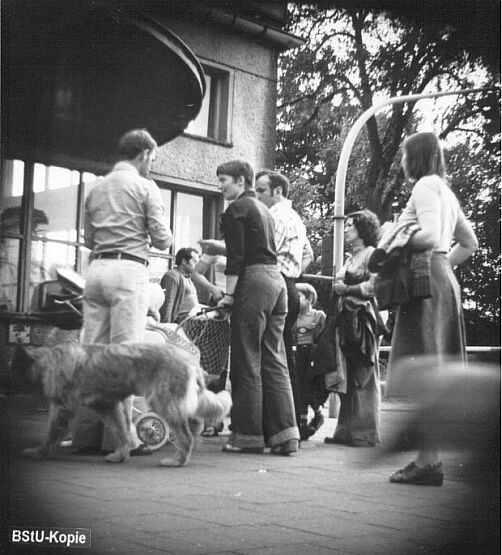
(318, 277)
(470, 349)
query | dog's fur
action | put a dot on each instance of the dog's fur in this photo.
(101, 376)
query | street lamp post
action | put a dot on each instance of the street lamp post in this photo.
(341, 175)
(341, 172)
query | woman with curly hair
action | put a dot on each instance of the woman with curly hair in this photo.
(357, 329)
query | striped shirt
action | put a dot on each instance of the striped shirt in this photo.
(290, 239)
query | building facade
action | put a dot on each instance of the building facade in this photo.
(200, 76)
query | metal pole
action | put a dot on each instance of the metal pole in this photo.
(341, 172)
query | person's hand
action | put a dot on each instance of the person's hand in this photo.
(217, 293)
(151, 323)
(212, 246)
(154, 314)
(226, 301)
(340, 288)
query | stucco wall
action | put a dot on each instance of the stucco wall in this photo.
(252, 132)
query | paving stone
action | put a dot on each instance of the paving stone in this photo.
(328, 499)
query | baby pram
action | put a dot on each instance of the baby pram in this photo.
(205, 334)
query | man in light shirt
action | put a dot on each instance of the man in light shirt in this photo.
(124, 214)
(294, 254)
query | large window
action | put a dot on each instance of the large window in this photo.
(40, 225)
(213, 121)
(43, 230)
(10, 231)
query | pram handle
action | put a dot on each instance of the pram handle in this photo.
(68, 303)
(213, 309)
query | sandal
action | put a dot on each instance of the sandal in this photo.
(286, 449)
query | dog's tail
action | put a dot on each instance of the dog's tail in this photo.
(213, 407)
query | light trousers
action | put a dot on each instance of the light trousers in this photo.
(116, 298)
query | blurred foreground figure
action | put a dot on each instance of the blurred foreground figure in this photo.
(459, 409)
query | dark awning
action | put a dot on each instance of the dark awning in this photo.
(77, 75)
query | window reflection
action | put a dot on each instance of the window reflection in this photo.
(12, 179)
(158, 267)
(166, 196)
(214, 116)
(200, 125)
(84, 261)
(188, 230)
(53, 220)
(46, 258)
(56, 193)
(9, 261)
(11, 196)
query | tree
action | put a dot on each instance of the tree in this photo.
(353, 58)
(474, 175)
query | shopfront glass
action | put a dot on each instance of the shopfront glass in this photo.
(189, 211)
(10, 229)
(56, 240)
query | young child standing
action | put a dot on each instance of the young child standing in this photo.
(306, 332)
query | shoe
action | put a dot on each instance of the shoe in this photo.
(429, 475)
(140, 451)
(350, 443)
(287, 448)
(317, 421)
(335, 440)
(244, 450)
(209, 432)
(306, 431)
(212, 431)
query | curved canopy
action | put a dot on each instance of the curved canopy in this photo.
(80, 74)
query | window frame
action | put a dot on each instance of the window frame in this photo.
(212, 206)
(221, 93)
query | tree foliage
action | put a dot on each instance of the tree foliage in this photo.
(354, 58)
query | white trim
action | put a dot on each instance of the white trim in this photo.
(185, 183)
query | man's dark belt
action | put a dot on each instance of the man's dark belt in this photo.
(122, 256)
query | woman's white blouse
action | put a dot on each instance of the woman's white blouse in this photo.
(432, 194)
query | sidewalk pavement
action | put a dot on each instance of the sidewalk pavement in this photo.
(327, 499)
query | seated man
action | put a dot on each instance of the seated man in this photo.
(180, 293)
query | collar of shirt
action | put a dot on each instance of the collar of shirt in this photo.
(282, 204)
(124, 165)
(248, 193)
(184, 274)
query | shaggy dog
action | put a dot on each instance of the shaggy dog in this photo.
(101, 376)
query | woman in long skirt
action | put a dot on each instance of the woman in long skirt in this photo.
(430, 329)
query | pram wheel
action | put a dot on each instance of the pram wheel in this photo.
(152, 430)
